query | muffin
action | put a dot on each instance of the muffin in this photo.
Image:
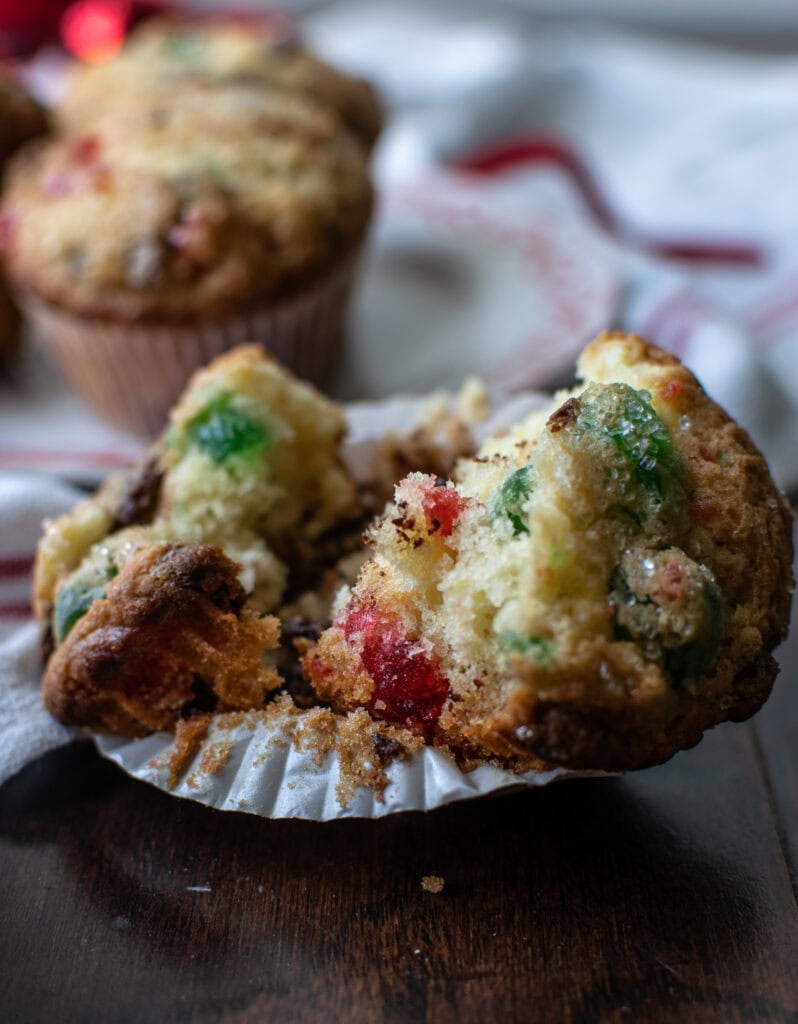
(594, 589)
(155, 594)
(21, 119)
(207, 212)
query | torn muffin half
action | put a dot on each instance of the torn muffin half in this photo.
(593, 589)
(156, 595)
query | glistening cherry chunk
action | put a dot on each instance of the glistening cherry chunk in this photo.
(442, 506)
(409, 689)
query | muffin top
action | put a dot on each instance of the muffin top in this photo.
(21, 117)
(164, 55)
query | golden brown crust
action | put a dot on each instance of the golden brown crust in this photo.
(337, 673)
(172, 634)
(582, 729)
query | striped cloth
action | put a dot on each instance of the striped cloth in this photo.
(26, 730)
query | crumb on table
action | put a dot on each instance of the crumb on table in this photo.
(433, 883)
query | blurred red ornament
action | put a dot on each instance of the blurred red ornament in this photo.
(23, 26)
(94, 30)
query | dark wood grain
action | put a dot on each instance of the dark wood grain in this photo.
(663, 896)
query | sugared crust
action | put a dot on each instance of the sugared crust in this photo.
(172, 634)
(602, 702)
(739, 522)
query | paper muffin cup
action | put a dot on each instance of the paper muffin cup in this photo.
(132, 374)
(260, 768)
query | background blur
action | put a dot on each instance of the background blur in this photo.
(552, 168)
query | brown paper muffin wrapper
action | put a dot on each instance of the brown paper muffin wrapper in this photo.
(132, 374)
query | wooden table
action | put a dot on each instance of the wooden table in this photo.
(667, 895)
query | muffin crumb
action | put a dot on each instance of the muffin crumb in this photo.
(433, 883)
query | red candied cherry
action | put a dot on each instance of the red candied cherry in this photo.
(409, 689)
(442, 506)
(86, 170)
(85, 150)
(194, 234)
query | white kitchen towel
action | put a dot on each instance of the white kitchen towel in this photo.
(674, 149)
(26, 729)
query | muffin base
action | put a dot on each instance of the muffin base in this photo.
(132, 374)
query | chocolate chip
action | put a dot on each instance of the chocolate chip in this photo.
(385, 748)
(563, 416)
(140, 500)
(298, 628)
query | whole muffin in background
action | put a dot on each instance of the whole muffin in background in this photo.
(21, 119)
(199, 212)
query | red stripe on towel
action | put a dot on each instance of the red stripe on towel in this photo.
(534, 150)
(11, 568)
(16, 611)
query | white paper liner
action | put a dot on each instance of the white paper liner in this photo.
(265, 772)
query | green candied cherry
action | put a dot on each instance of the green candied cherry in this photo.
(184, 46)
(512, 498)
(75, 599)
(672, 607)
(629, 421)
(536, 647)
(222, 430)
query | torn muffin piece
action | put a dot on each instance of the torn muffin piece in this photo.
(249, 476)
(594, 589)
(168, 633)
